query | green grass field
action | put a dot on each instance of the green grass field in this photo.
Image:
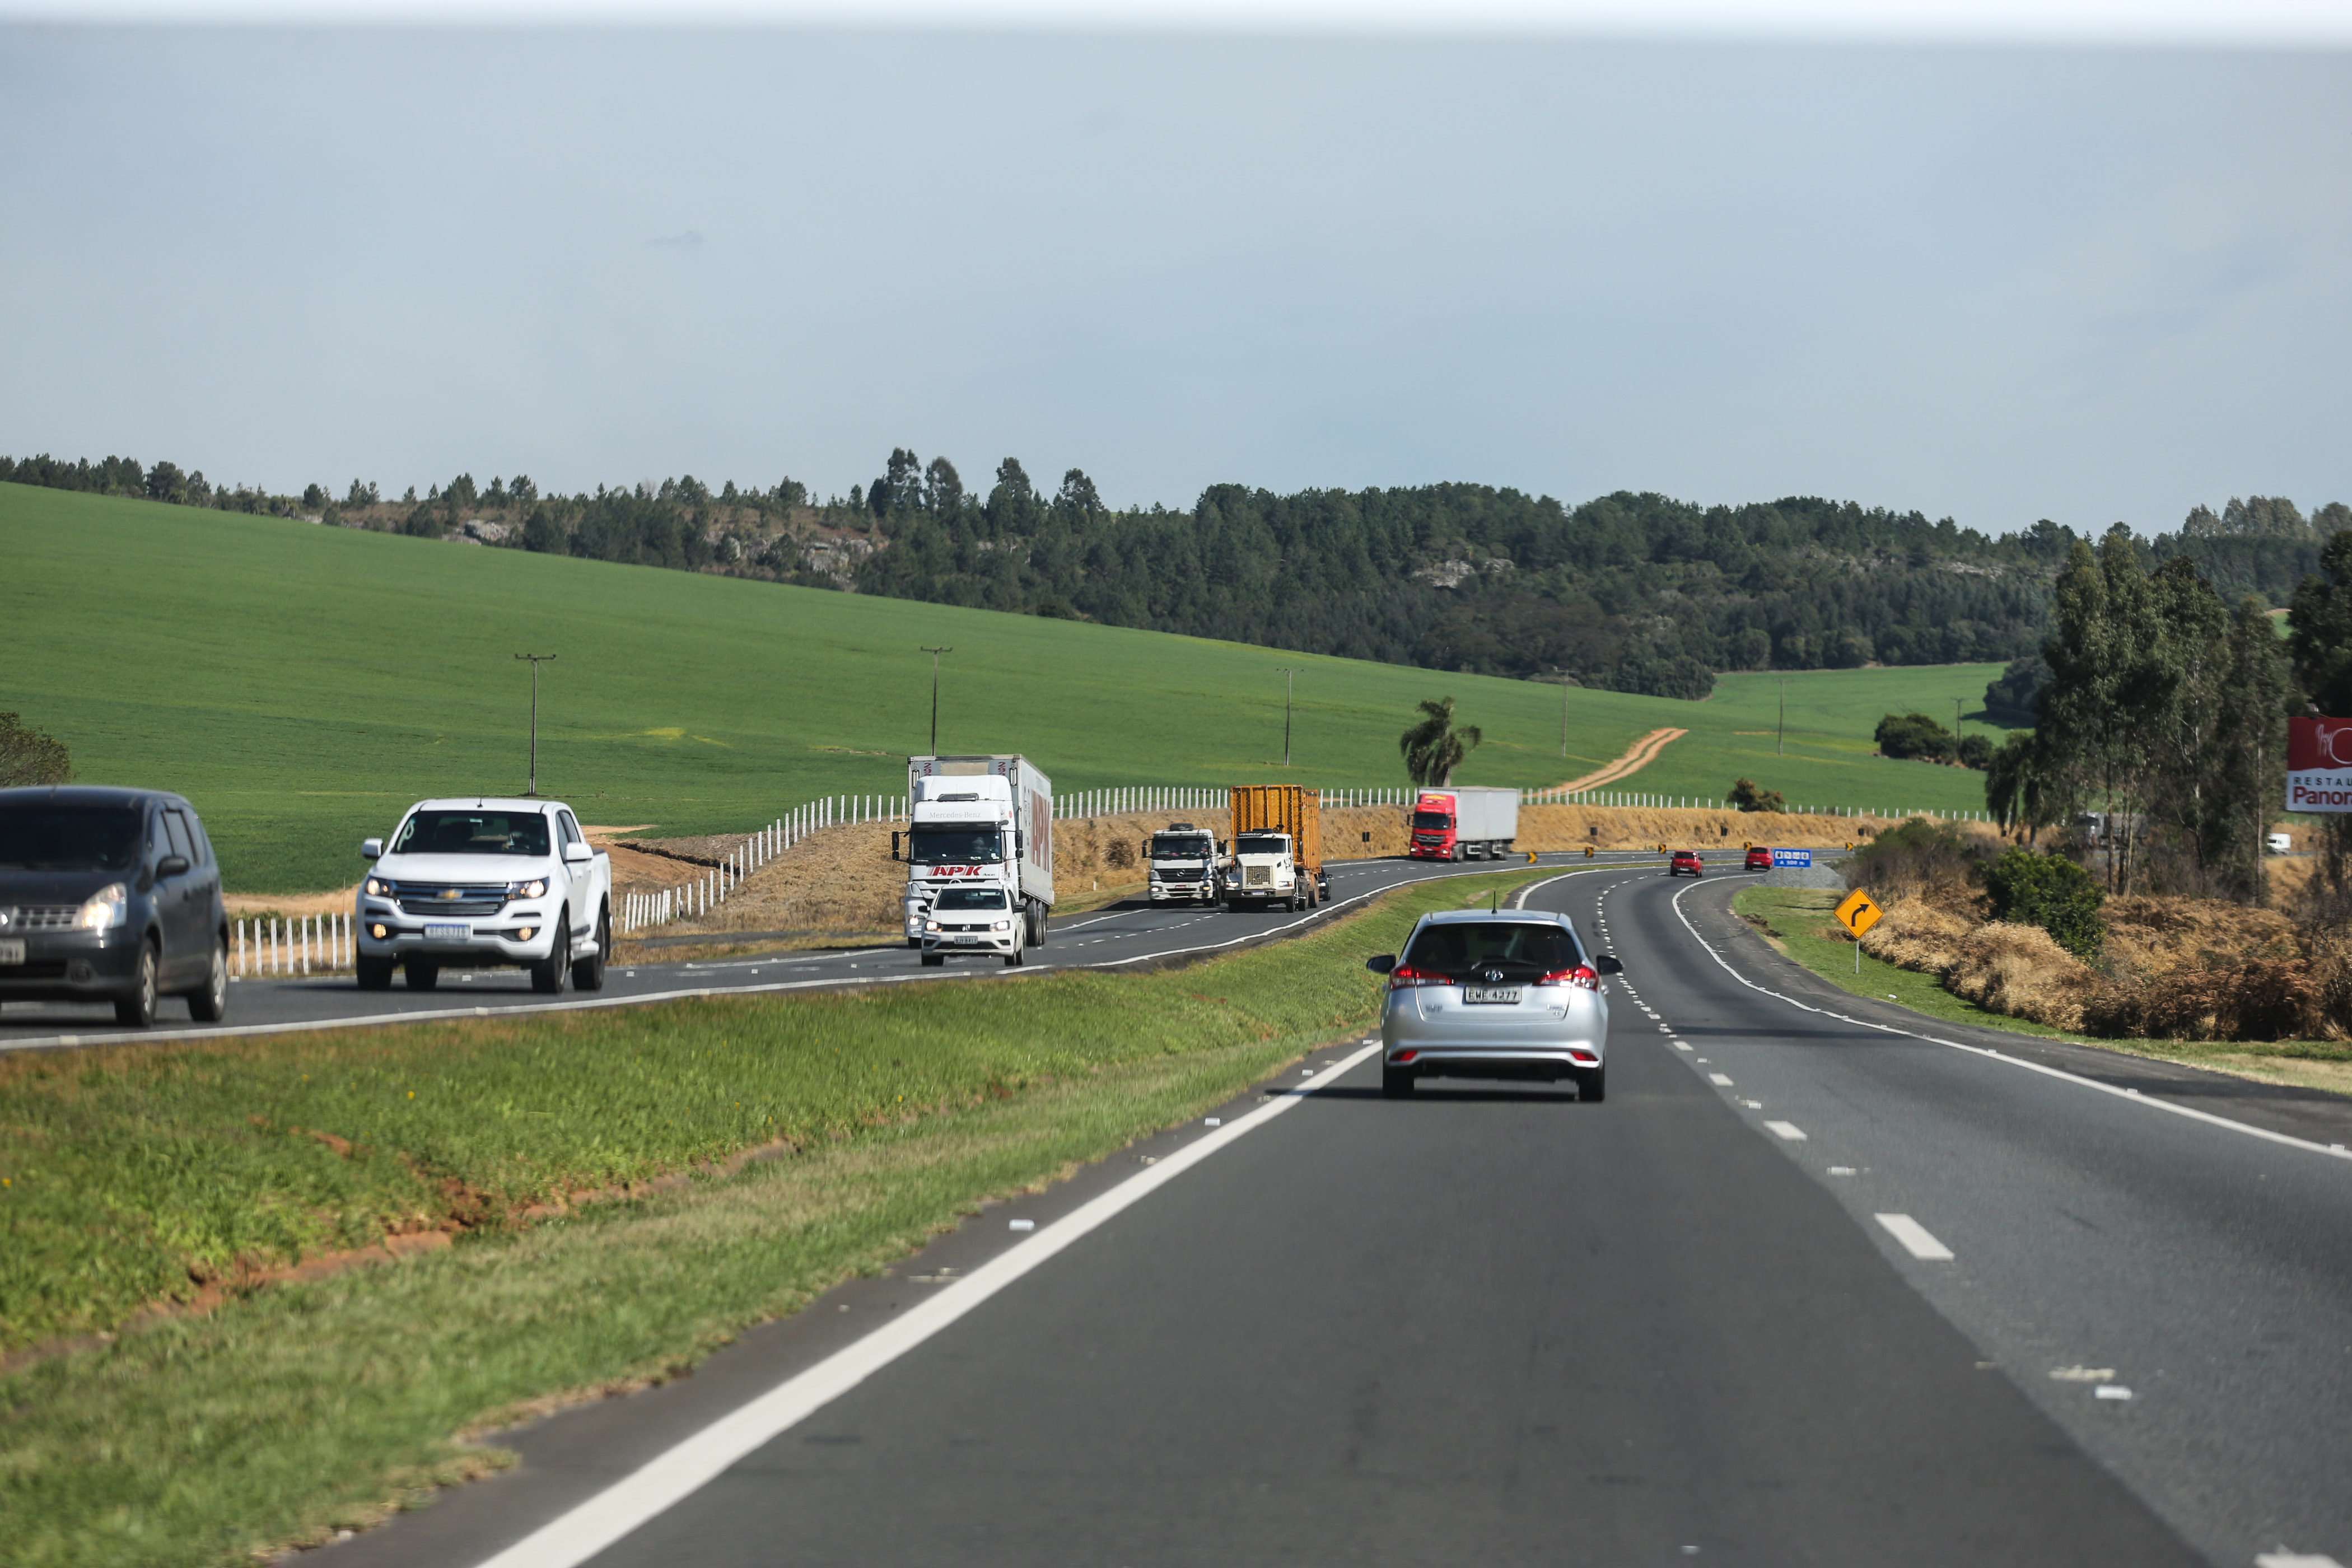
(303, 684)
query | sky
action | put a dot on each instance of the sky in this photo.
(1997, 272)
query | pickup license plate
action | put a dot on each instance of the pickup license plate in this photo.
(1489, 993)
(12, 951)
(966, 941)
(446, 930)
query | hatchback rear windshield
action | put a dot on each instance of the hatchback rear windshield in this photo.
(971, 898)
(53, 837)
(473, 833)
(1513, 946)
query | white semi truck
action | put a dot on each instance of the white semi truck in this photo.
(1183, 861)
(983, 822)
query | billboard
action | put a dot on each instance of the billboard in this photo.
(2319, 764)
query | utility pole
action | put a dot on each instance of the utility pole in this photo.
(1781, 746)
(1563, 716)
(536, 659)
(935, 653)
(1286, 676)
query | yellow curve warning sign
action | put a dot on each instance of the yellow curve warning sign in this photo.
(1857, 913)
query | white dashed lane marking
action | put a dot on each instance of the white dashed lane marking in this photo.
(1787, 1129)
(1915, 1238)
(1718, 1079)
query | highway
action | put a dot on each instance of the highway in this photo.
(1820, 1283)
(1121, 936)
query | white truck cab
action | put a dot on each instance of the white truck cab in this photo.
(1183, 861)
(1265, 871)
(984, 823)
(485, 883)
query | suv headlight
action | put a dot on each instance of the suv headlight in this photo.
(377, 887)
(104, 909)
(1004, 925)
(930, 925)
(535, 887)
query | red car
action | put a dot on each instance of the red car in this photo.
(1759, 859)
(1686, 860)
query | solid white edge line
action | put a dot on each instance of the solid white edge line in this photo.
(580, 1003)
(1915, 1237)
(2131, 1095)
(670, 1477)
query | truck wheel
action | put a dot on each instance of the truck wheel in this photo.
(588, 973)
(136, 1006)
(931, 960)
(376, 973)
(1037, 914)
(424, 975)
(207, 1006)
(547, 977)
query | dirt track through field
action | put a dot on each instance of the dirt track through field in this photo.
(1638, 755)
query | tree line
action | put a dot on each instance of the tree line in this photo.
(2165, 713)
(1628, 591)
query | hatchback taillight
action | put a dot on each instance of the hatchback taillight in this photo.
(1403, 979)
(1580, 975)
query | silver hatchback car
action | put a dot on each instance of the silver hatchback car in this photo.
(1509, 994)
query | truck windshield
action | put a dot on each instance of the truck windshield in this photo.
(52, 837)
(473, 833)
(1262, 844)
(957, 844)
(1182, 848)
(971, 898)
(1431, 819)
(1515, 947)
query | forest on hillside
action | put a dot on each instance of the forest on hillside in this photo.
(1630, 592)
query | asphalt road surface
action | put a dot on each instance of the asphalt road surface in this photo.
(1805, 1289)
(1122, 935)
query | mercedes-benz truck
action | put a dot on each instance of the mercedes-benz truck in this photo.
(1452, 824)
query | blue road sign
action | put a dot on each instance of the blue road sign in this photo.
(1792, 859)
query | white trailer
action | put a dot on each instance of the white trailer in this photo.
(985, 820)
(1464, 823)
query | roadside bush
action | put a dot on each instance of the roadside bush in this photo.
(1746, 796)
(2049, 891)
(1912, 856)
(30, 757)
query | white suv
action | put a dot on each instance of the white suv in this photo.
(486, 884)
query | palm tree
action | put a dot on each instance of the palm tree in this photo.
(1434, 748)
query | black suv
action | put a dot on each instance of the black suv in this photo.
(109, 895)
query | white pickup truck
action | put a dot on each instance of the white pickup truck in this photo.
(485, 883)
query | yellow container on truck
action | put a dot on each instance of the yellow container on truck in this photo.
(1277, 849)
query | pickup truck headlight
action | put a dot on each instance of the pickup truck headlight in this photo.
(104, 909)
(535, 887)
(1004, 925)
(930, 925)
(377, 887)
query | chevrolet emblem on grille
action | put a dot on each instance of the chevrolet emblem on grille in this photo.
(453, 892)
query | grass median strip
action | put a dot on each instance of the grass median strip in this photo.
(300, 1406)
(1797, 921)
